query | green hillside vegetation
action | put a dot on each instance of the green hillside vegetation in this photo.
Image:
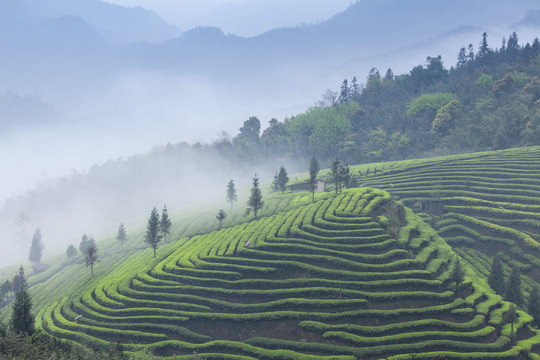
(486, 205)
(372, 272)
(488, 100)
(350, 276)
(354, 275)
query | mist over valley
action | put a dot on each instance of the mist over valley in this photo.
(89, 89)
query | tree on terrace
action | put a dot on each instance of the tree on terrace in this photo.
(36, 249)
(313, 171)
(91, 257)
(255, 202)
(71, 252)
(19, 283)
(457, 275)
(345, 175)
(511, 317)
(533, 308)
(22, 320)
(165, 223)
(86, 242)
(334, 174)
(231, 193)
(221, 215)
(496, 277)
(275, 184)
(153, 236)
(121, 235)
(513, 291)
(282, 179)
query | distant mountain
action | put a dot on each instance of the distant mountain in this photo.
(66, 49)
(366, 28)
(17, 111)
(253, 17)
(531, 19)
(117, 24)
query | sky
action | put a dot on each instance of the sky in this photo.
(240, 17)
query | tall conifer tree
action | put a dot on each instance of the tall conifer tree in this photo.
(513, 291)
(255, 202)
(153, 235)
(496, 277)
(231, 193)
(36, 250)
(457, 275)
(313, 171)
(282, 179)
(165, 223)
(121, 235)
(91, 257)
(22, 320)
(533, 307)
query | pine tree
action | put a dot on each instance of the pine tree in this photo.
(535, 47)
(18, 283)
(313, 171)
(36, 249)
(470, 49)
(121, 235)
(282, 179)
(22, 320)
(5, 289)
(484, 49)
(153, 236)
(335, 175)
(496, 277)
(457, 275)
(354, 90)
(275, 182)
(511, 317)
(344, 93)
(165, 223)
(533, 307)
(513, 291)
(221, 215)
(231, 193)
(91, 257)
(71, 252)
(345, 175)
(462, 57)
(255, 202)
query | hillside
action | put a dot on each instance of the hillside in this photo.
(339, 278)
(489, 203)
(485, 102)
(334, 279)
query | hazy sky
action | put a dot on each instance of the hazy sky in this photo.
(241, 17)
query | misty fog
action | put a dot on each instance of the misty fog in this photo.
(240, 17)
(106, 116)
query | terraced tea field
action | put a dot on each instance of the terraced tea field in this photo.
(354, 276)
(490, 204)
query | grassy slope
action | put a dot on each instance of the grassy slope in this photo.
(491, 202)
(68, 277)
(325, 280)
(466, 189)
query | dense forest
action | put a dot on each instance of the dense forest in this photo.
(488, 100)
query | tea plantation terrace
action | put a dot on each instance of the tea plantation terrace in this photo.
(352, 276)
